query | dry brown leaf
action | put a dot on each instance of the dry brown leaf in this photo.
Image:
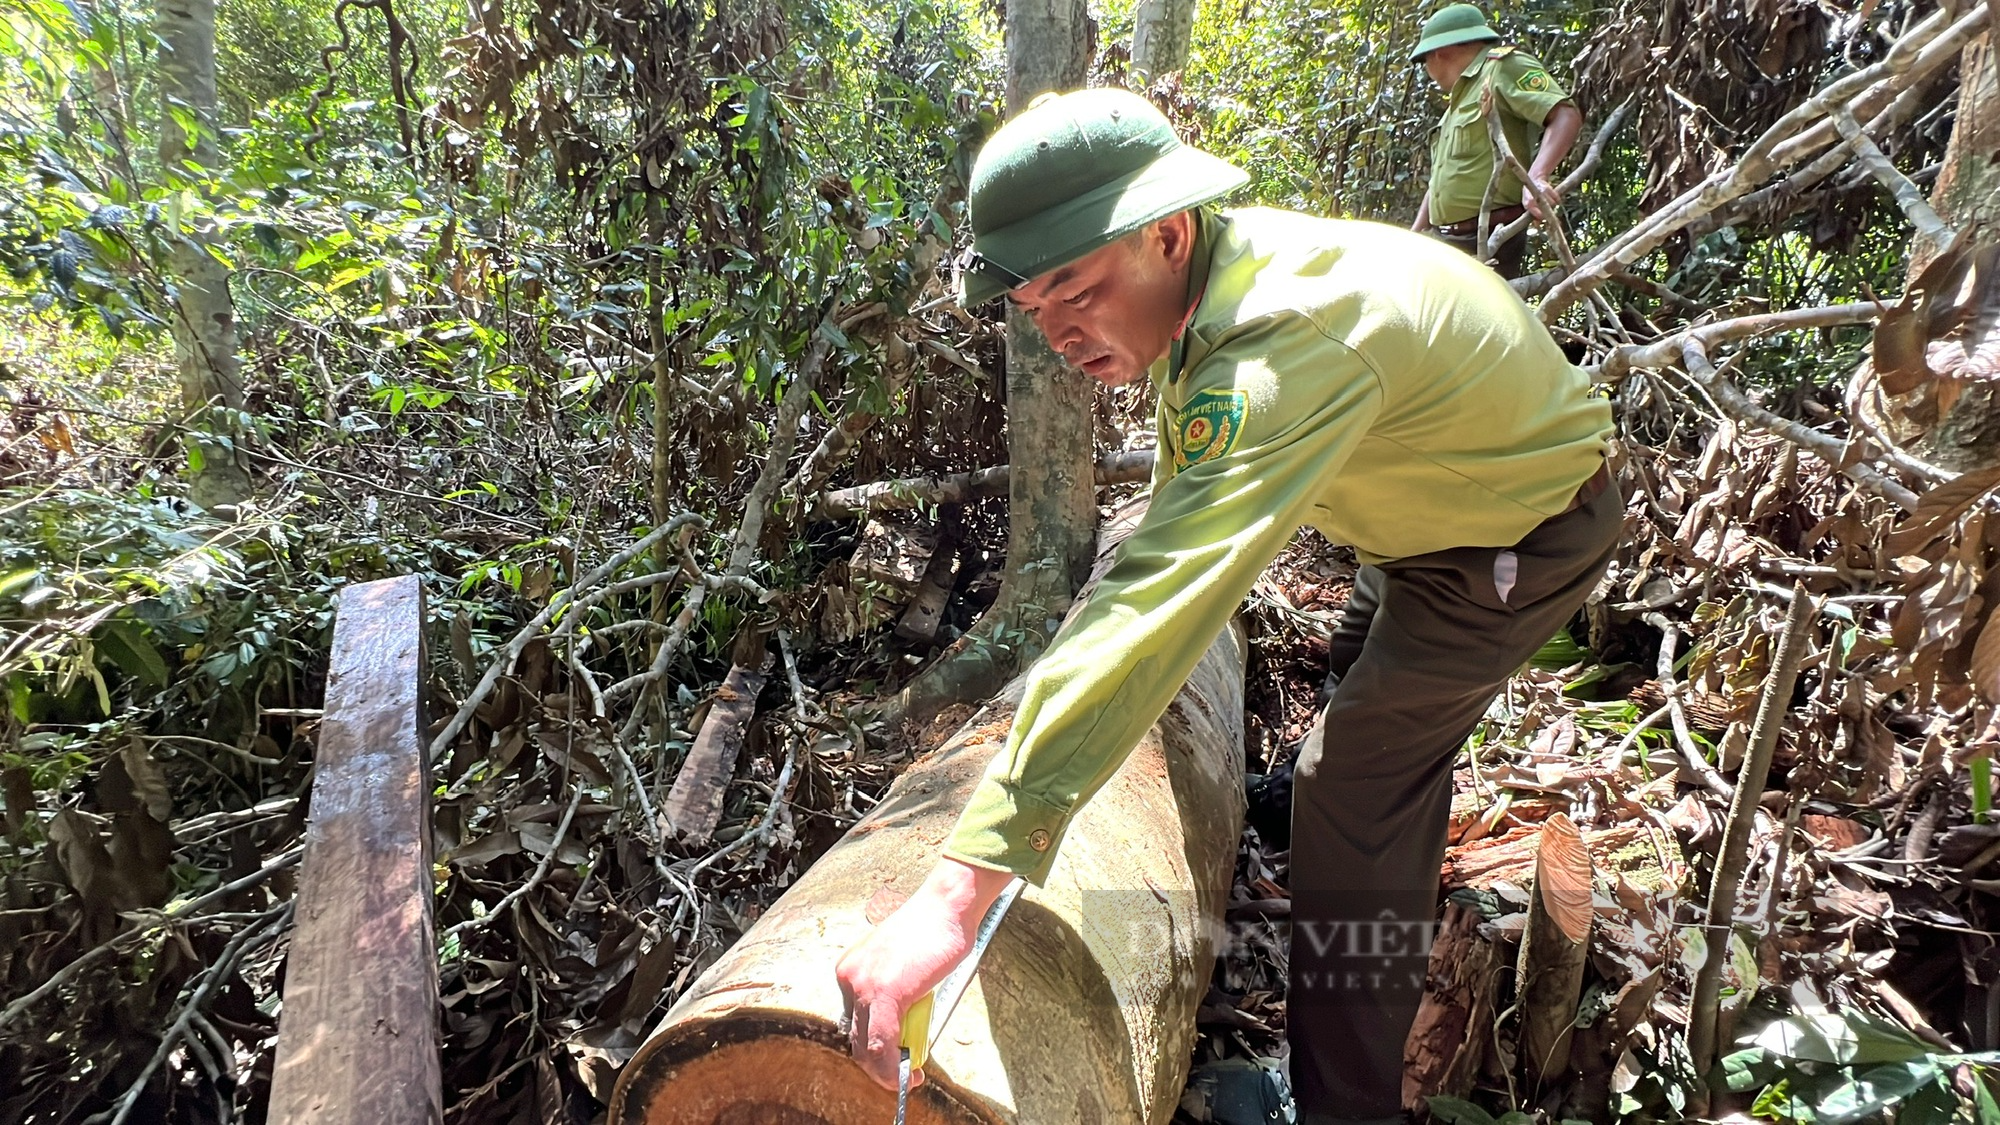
(1939, 508)
(1985, 667)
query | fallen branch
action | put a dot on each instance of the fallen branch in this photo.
(1123, 467)
(1552, 220)
(1929, 45)
(1592, 157)
(1667, 350)
(512, 652)
(1732, 401)
(260, 933)
(784, 439)
(1719, 923)
(1776, 201)
(1932, 231)
(184, 912)
(542, 869)
(1670, 686)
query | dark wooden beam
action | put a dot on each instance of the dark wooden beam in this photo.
(694, 804)
(357, 1040)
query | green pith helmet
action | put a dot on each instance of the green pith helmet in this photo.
(1458, 23)
(1072, 173)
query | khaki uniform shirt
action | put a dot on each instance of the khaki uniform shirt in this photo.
(1462, 151)
(1374, 383)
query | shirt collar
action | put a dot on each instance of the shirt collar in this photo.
(1471, 72)
(1197, 290)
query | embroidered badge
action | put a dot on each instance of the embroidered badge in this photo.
(1535, 81)
(1210, 425)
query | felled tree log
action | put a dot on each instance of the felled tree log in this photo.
(1084, 1005)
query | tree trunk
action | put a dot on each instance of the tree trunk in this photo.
(1052, 498)
(1967, 194)
(204, 319)
(1160, 38)
(1083, 1007)
(1952, 416)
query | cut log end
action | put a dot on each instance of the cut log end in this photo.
(774, 1075)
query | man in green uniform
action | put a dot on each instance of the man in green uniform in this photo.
(1348, 375)
(1456, 49)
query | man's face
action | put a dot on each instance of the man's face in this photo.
(1112, 312)
(1445, 64)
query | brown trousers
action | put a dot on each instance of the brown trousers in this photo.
(1506, 260)
(1422, 650)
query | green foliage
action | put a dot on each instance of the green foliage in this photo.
(1838, 1068)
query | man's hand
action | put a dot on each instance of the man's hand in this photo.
(906, 955)
(1549, 190)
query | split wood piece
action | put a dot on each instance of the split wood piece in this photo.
(1453, 1031)
(920, 622)
(1553, 950)
(358, 1038)
(1083, 1008)
(694, 804)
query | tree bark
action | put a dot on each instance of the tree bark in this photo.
(1160, 37)
(1052, 499)
(1083, 1007)
(1953, 419)
(204, 318)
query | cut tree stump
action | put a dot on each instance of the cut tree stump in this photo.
(1553, 950)
(1448, 1041)
(358, 1038)
(1083, 1009)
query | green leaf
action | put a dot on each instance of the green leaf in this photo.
(348, 276)
(1458, 1111)
(1777, 1101)
(1875, 1090)
(1937, 1104)
(1982, 1096)
(126, 645)
(14, 580)
(1561, 651)
(1845, 1039)
(1743, 1071)
(103, 690)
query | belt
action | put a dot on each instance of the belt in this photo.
(1591, 489)
(1497, 217)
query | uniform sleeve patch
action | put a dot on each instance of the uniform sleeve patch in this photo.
(1209, 426)
(1535, 82)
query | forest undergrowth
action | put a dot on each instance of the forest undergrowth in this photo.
(612, 327)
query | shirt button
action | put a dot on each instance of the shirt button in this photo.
(1039, 839)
